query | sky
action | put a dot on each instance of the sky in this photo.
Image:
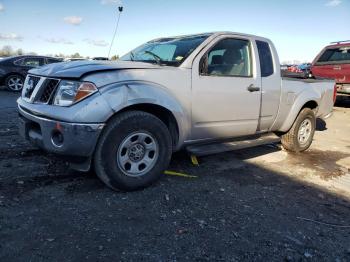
(299, 28)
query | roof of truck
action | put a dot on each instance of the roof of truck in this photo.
(217, 33)
(339, 45)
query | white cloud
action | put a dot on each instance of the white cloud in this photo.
(333, 3)
(73, 20)
(109, 2)
(96, 42)
(12, 36)
(2, 8)
(59, 41)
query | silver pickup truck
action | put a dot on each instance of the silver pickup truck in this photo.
(205, 93)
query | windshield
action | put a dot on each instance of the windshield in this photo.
(166, 51)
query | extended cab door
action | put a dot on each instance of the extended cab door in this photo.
(226, 89)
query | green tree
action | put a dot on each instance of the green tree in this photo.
(76, 55)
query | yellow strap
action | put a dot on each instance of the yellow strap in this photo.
(194, 160)
(172, 173)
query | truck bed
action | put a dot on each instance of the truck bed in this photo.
(307, 80)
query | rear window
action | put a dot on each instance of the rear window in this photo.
(265, 56)
(335, 56)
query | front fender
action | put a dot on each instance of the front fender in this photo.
(124, 94)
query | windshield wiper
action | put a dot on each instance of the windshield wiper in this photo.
(132, 56)
(157, 58)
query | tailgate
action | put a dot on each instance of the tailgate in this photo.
(339, 72)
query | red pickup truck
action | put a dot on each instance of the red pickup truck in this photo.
(334, 62)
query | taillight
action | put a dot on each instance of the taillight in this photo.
(335, 93)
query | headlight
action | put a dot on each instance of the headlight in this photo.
(71, 92)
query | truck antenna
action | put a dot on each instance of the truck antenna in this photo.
(120, 9)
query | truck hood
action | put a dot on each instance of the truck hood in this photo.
(76, 69)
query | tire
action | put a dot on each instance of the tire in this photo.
(300, 136)
(14, 83)
(133, 151)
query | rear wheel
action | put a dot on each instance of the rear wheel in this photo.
(300, 136)
(14, 83)
(133, 151)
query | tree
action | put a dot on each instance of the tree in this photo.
(7, 51)
(115, 57)
(76, 55)
(19, 51)
(60, 55)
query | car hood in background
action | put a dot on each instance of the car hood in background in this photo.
(77, 69)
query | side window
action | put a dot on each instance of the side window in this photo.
(52, 60)
(19, 62)
(229, 57)
(32, 62)
(265, 56)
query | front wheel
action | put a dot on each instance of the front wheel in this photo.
(14, 83)
(300, 136)
(133, 151)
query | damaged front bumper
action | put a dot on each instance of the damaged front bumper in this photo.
(63, 138)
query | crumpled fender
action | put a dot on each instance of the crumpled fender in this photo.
(124, 94)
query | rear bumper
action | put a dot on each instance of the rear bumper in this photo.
(71, 139)
(343, 89)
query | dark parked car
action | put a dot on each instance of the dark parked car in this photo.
(13, 70)
(100, 58)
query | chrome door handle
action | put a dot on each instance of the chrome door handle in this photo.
(253, 88)
(337, 68)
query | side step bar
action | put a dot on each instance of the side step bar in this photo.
(215, 148)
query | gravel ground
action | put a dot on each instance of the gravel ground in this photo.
(260, 204)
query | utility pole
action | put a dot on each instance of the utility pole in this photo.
(120, 9)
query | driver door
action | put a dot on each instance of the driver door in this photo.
(226, 93)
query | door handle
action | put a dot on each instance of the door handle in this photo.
(337, 68)
(253, 88)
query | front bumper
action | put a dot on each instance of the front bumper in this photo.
(70, 139)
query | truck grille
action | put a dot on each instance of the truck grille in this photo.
(47, 91)
(32, 82)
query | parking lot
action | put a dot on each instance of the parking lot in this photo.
(254, 204)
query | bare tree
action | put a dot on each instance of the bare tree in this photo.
(115, 57)
(20, 51)
(6, 51)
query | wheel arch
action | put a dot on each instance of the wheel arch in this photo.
(164, 114)
(14, 74)
(153, 99)
(295, 111)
